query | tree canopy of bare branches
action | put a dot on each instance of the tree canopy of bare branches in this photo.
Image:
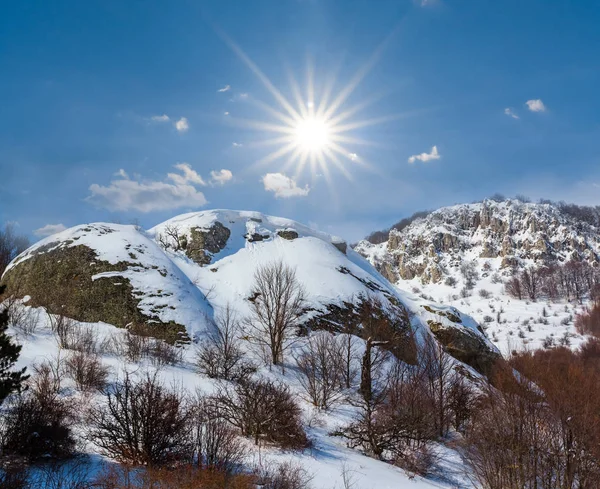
(278, 301)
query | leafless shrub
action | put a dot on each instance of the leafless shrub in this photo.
(419, 461)
(47, 376)
(215, 443)
(277, 302)
(36, 424)
(284, 476)
(320, 368)
(86, 370)
(219, 356)
(263, 410)
(130, 346)
(64, 328)
(484, 294)
(22, 318)
(141, 423)
(162, 353)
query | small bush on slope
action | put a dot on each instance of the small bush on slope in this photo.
(263, 410)
(37, 423)
(141, 423)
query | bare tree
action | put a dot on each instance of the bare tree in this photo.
(348, 358)
(141, 423)
(277, 304)
(531, 281)
(215, 444)
(219, 355)
(172, 238)
(262, 409)
(439, 373)
(321, 369)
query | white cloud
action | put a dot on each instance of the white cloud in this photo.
(160, 118)
(509, 112)
(237, 145)
(243, 96)
(49, 229)
(121, 173)
(283, 186)
(536, 105)
(225, 113)
(424, 157)
(352, 156)
(221, 176)
(182, 125)
(226, 88)
(189, 175)
(147, 196)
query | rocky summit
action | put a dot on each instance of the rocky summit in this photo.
(512, 233)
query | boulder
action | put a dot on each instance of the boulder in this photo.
(203, 243)
(69, 280)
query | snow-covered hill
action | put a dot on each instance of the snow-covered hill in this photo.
(497, 240)
(174, 278)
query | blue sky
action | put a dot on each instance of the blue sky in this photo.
(112, 110)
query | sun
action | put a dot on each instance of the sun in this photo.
(314, 128)
(312, 134)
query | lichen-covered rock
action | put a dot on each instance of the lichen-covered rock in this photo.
(109, 273)
(462, 338)
(366, 317)
(203, 243)
(288, 234)
(254, 237)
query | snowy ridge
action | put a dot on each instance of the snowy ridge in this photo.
(193, 286)
(498, 238)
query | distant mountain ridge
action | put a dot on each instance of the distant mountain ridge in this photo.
(512, 232)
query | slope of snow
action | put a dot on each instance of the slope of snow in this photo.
(148, 269)
(496, 236)
(330, 273)
(325, 462)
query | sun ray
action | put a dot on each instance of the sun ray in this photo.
(297, 93)
(261, 76)
(274, 112)
(310, 90)
(317, 128)
(260, 125)
(275, 155)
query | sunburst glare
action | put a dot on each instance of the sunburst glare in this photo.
(314, 131)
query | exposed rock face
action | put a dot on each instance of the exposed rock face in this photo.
(512, 232)
(464, 342)
(368, 318)
(288, 234)
(340, 244)
(71, 279)
(203, 243)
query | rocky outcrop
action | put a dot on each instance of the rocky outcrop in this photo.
(512, 232)
(205, 242)
(340, 244)
(466, 343)
(288, 234)
(74, 282)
